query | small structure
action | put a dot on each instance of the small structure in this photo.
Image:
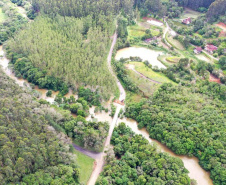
(210, 48)
(186, 21)
(150, 39)
(198, 50)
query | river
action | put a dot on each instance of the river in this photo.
(191, 164)
(144, 53)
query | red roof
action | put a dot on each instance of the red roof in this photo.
(211, 47)
(199, 49)
(187, 21)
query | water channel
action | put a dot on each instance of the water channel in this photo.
(191, 164)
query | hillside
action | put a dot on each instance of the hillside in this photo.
(30, 151)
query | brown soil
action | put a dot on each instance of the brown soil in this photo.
(149, 19)
(212, 78)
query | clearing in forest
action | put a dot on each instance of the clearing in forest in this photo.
(190, 13)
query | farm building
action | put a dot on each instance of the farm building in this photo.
(186, 21)
(198, 50)
(210, 48)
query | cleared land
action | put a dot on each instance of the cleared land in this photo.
(190, 13)
(2, 16)
(139, 30)
(173, 59)
(140, 67)
(146, 87)
(86, 166)
(174, 42)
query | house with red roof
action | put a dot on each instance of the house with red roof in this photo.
(197, 50)
(210, 48)
(186, 21)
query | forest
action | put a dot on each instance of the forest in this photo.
(31, 151)
(134, 161)
(65, 48)
(190, 121)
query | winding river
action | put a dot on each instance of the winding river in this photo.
(195, 171)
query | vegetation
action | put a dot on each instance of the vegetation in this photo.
(30, 149)
(148, 72)
(190, 121)
(2, 16)
(135, 161)
(73, 56)
(85, 164)
(13, 21)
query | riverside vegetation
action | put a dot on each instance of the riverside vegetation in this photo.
(66, 46)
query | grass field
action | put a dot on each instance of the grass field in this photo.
(190, 13)
(174, 42)
(136, 31)
(86, 166)
(139, 31)
(140, 67)
(146, 87)
(2, 16)
(173, 59)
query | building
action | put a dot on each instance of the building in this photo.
(186, 21)
(210, 48)
(198, 50)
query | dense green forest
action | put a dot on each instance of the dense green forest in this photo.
(190, 121)
(195, 4)
(30, 152)
(135, 161)
(66, 48)
(13, 22)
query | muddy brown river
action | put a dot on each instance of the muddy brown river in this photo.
(191, 164)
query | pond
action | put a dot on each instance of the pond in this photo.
(144, 53)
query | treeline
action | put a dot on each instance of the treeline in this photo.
(195, 4)
(13, 22)
(31, 151)
(135, 161)
(216, 10)
(72, 50)
(190, 121)
(82, 8)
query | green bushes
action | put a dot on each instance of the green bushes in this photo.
(24, 68)
(190, 121)
(135, 161)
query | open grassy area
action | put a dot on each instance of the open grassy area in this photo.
(140, 67)
(190, 13)
(136, 31)
(146, 87)
(86, 166)
(173, 59)
(174, 42)
(139, 30)
(2, 16)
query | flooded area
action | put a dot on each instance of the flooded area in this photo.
(191, 163)
(144, 53)
(4, 62)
